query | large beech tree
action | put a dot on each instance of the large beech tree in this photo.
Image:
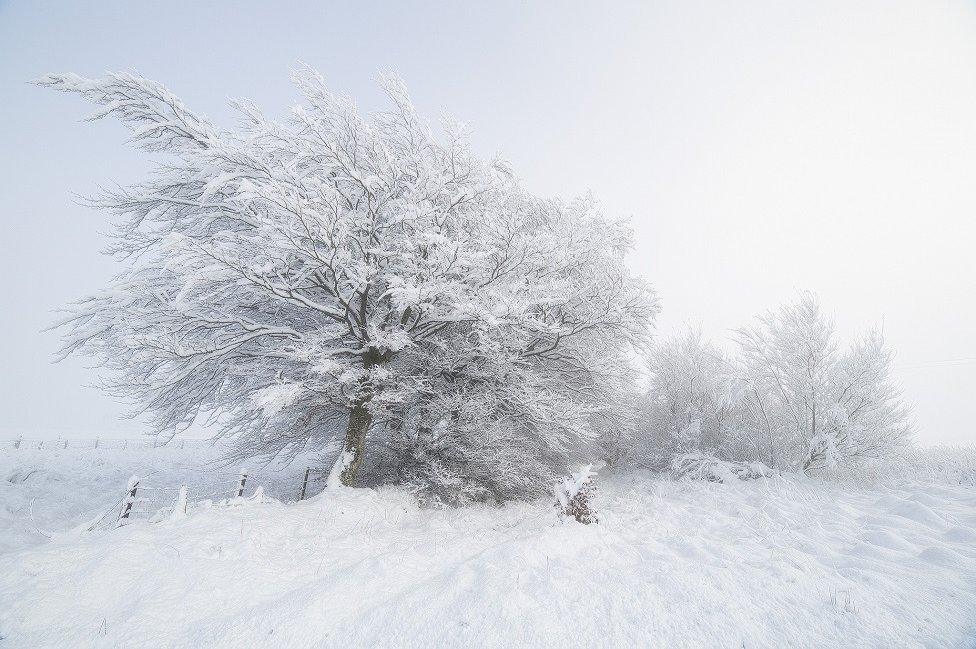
(288, 278)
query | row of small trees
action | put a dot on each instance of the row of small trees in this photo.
(367, 284)
(787, 396)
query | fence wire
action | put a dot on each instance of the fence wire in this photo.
(97, 443)
(155, 500)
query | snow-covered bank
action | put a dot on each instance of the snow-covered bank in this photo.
(777, 562)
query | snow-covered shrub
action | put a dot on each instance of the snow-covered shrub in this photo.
(477, 426)
(573, 496)
(483, 430)
(333, 273)
(457, 470)
(467, 460)
(699, 466)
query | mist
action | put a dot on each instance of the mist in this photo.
(760, 150)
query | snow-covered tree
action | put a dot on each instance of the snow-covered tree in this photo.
(808, 404)
(291, 279)
(869, 418)
(787, 397)
(691, 402)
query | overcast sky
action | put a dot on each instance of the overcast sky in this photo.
(759, 147)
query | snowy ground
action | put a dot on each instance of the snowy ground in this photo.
(770, 563)
(50, 490)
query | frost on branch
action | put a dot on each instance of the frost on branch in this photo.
(573, 495)
(360, 282)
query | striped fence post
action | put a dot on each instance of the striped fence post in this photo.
(130, 498)
(240, 483)
(304, 484)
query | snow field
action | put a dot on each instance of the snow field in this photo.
(783, 561)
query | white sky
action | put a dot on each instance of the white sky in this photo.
(760, 147)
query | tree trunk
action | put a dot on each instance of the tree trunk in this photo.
(354, 447)
(346, 469)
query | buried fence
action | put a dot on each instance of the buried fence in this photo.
(142, 498)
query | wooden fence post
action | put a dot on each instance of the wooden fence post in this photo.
(304, 484)
(130, 498)
(181, 500)
(240, 483)
(96, 442)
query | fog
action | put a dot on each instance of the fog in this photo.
(760, 149)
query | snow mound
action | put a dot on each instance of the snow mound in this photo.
(916, 511)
